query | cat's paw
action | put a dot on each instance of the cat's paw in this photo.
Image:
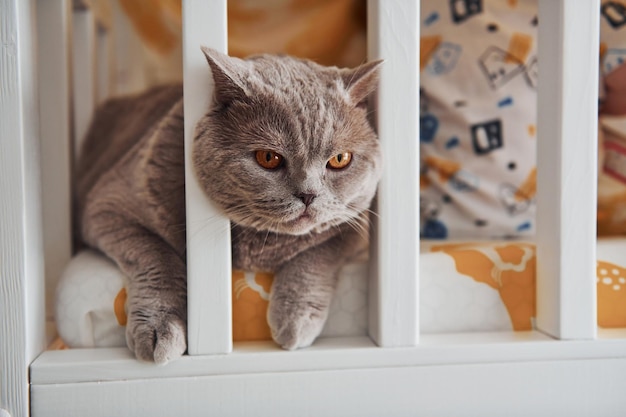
(156, 338)
(295, 325)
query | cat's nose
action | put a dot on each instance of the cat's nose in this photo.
(307, 198)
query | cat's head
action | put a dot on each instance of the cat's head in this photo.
(287, 146)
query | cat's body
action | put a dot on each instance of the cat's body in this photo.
(300, 219)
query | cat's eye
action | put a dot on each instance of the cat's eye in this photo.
(340, 161)
(269, 159)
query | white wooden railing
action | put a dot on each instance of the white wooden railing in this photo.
(567, 121)
(565, 367)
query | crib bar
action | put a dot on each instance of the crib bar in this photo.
(104, 58)
(567, 167)
(208, 232)
(83, 72)
(393, 35)
(54, 53)
(129, 76)
(22, 298)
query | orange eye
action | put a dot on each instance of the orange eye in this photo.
(340, 161)
(269, 159)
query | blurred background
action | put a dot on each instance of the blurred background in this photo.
(330, 32)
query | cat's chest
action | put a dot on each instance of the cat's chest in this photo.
(266, 251)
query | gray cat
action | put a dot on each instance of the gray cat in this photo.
(286, 152)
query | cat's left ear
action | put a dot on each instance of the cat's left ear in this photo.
(360, 82)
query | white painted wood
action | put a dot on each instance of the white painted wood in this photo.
(128, 72)
(22, 296)
(208, 232)
(102, 10)
(90, 365)
(104, 63)
(83, 73)
(53, 64)
(393, 35)
(520, 389)
(566, 159)
(512, 374)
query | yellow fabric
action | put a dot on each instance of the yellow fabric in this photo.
(321, 30)
(250, 300)
(119, 307)
(158, 22)
(611, 287)
(330, 32)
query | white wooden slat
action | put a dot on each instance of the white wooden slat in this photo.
(53, 37)
(91, 365)
(208, 232)
(393, 35)
(573, 388)
(567, 172)
(128, 56)
(101, 9)
(104, 63)
(83, 73)
(22, 297)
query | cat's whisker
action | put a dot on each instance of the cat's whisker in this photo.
(357, 210)
(265, 240)
(357, 224)
(372, 212)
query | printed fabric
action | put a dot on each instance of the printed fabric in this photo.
(478, 113)
(477, 118)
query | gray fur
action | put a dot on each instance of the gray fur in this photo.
(131, 190)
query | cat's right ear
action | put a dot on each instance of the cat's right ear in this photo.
(360, 82)
(226, 73)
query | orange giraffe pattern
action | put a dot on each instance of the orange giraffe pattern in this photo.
(507, 268)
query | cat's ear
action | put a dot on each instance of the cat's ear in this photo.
(360, 82)
(226, 75)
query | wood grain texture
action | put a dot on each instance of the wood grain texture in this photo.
(22, 300)
(53, 38)
(208, 231)
(393, 35)
(567, 168)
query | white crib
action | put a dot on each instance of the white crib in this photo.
(564, 367)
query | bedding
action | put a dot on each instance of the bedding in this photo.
(478, 79)
(478, 61)
(464, 287)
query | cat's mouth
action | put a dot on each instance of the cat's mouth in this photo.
(305, 216)
(301, 224)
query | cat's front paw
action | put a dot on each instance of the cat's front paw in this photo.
(156, 337)
(295, 325)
